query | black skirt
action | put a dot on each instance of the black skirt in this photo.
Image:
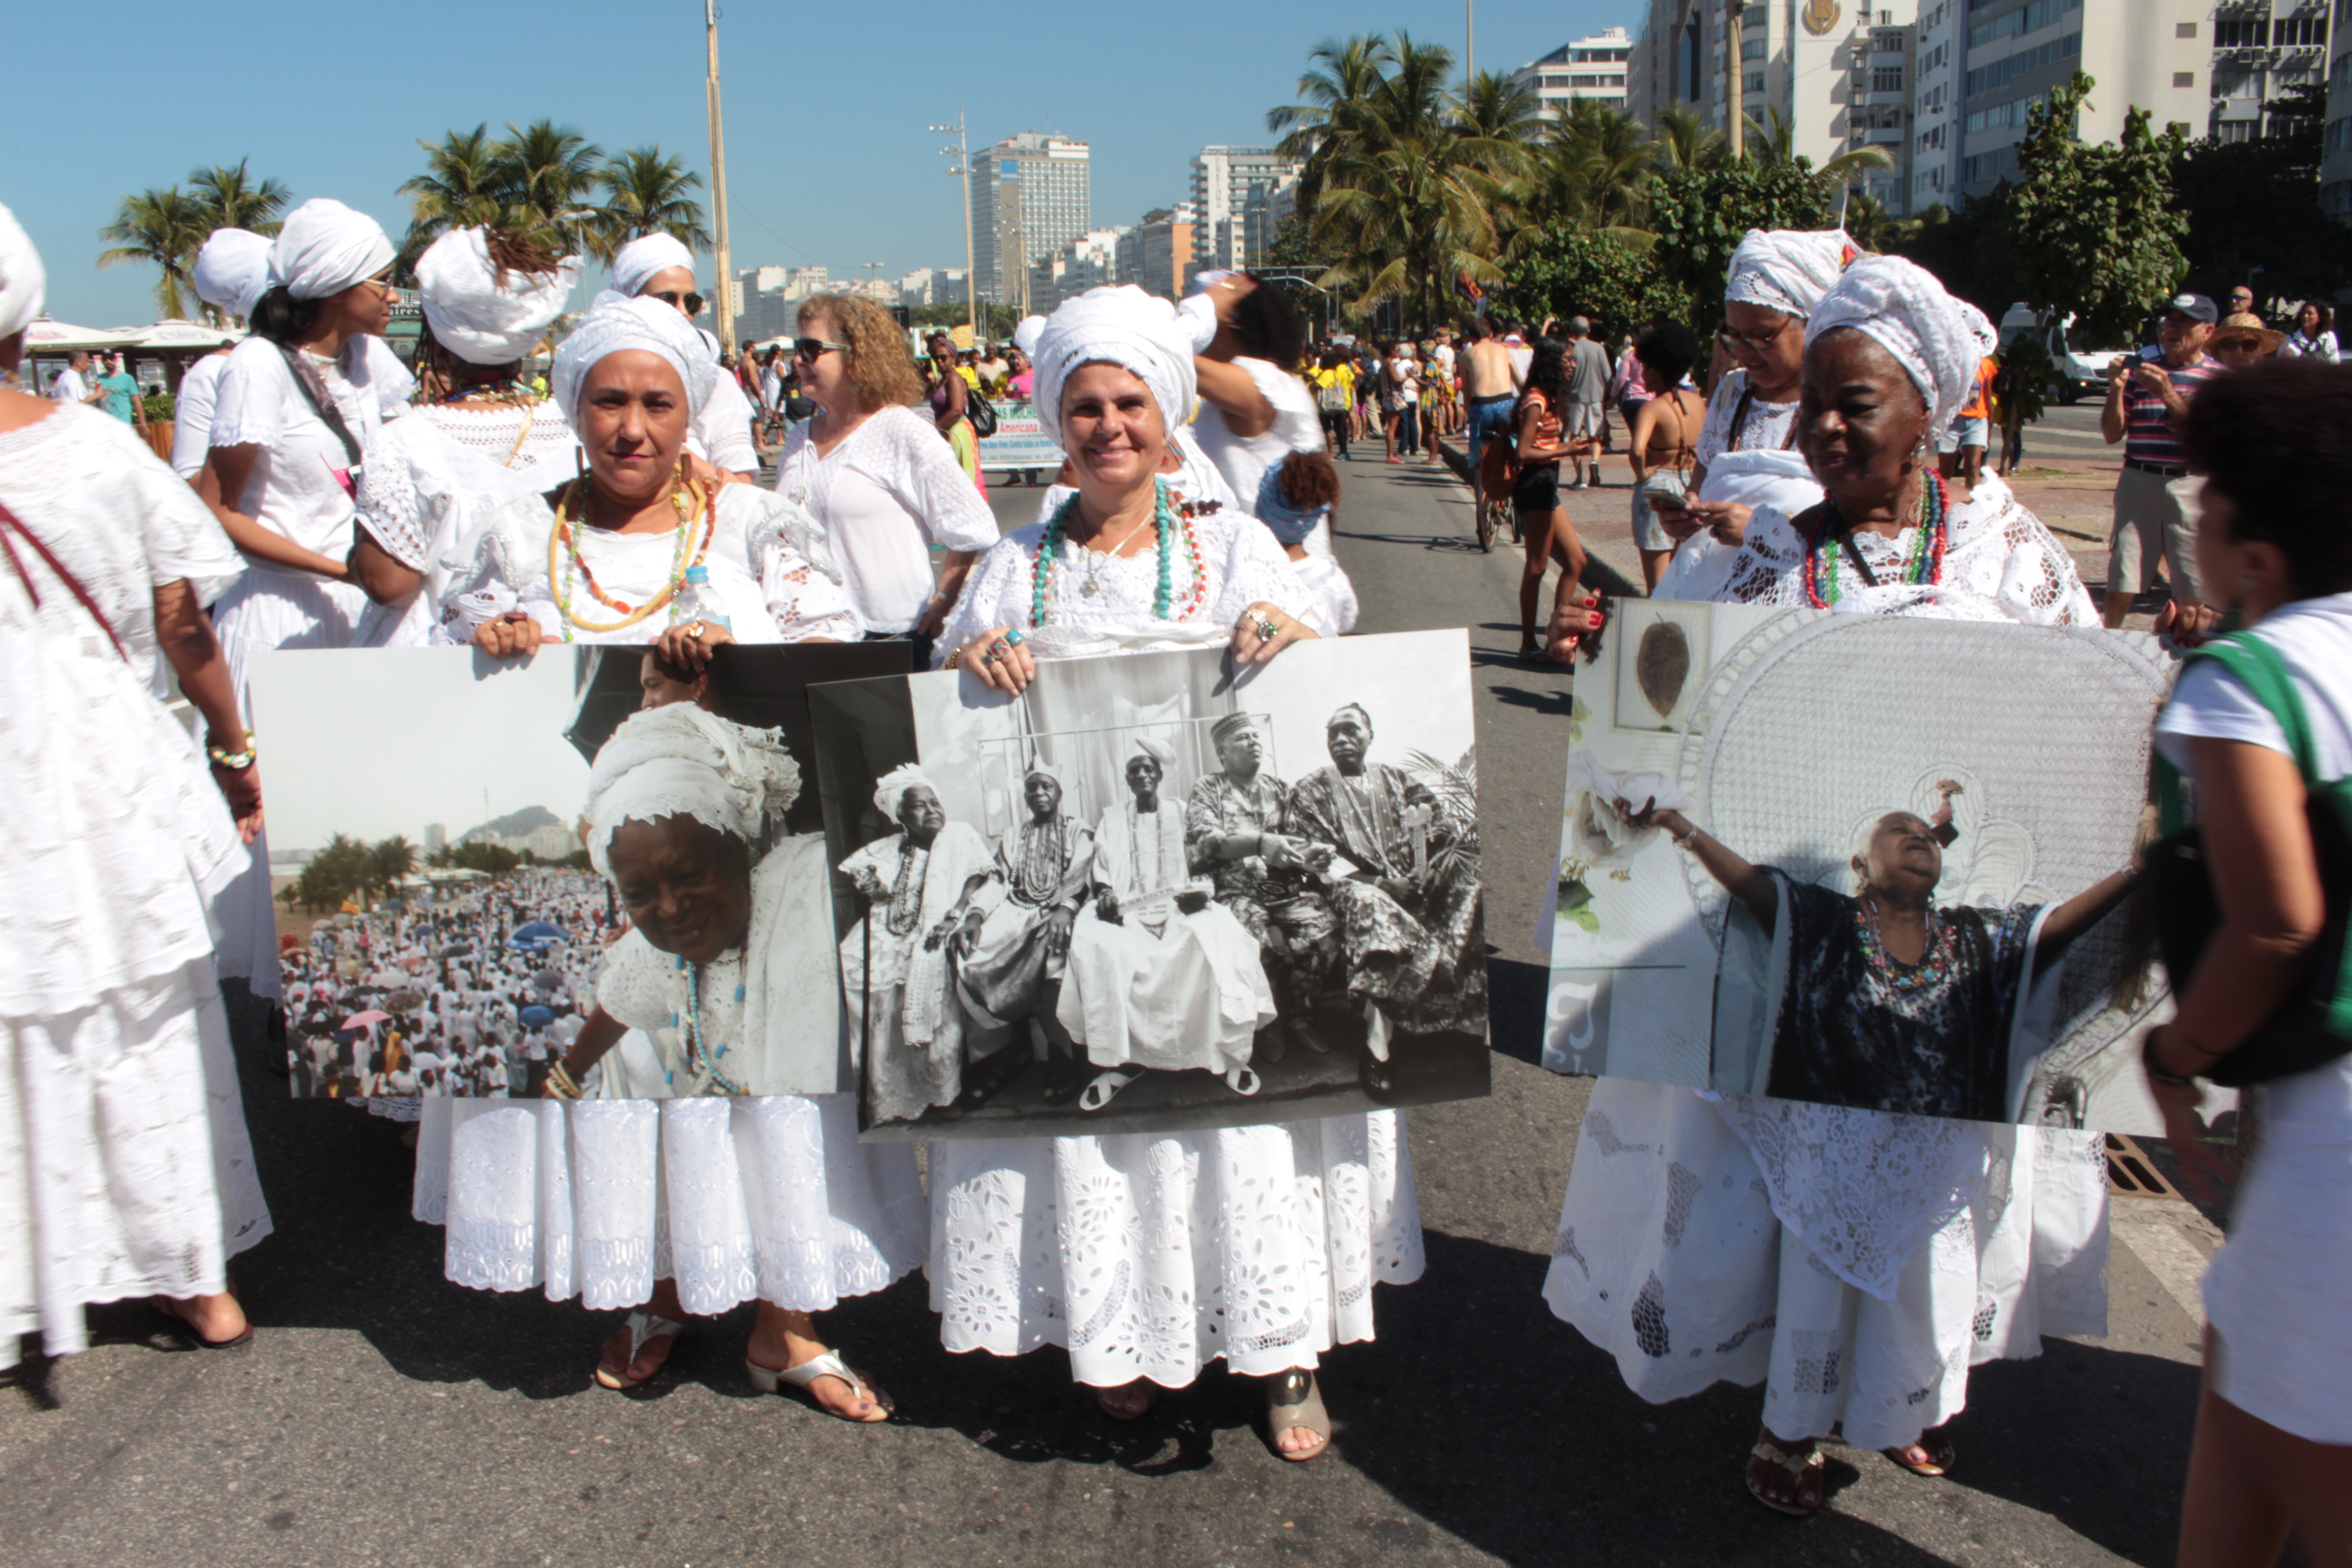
(1538, 490)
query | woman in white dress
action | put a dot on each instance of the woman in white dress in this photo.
(658, 266)
(1148, 1256)
(297, 403)
(479, 436)
(591, 1198)
(1856, 1263)
(876, 477)
(2274, 1446)
(123, 1157)
(608, 557)
(1747, 449)
(230, 272)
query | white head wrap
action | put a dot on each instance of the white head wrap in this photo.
(1122, 326)
(1939, 340)
(1785, 269)
(616, 323)
(478, 314)
(325, 247)
(1040, 768)
(891, 788)
(680, 761)
(635, 266)
(23, 284)
(232, 270)
(1151, 746)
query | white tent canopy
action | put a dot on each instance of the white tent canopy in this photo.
(46, 336)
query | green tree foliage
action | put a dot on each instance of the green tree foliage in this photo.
(1969, 250)
(1699, 215)
(163, 229)
(547, 183)
(231, 198)
(2254, 208)
(648, 192)
(1572, 271)
(2096, 228)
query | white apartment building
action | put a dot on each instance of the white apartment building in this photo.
(1030, 196)
(1593, 67)
(1089, 261)
(930, 286)
(1225, 180)
(2261, 48)
(1938, 44)
(2151, 54)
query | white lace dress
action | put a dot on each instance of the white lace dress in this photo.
(1857, 1263)
(1151, 1256)
(429, 478)
(1751, 460)
(125, 1165)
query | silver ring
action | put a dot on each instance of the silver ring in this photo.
(1267, 630)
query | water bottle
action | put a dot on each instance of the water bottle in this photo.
(698, 601)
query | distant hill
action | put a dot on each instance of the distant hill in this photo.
(514, 824)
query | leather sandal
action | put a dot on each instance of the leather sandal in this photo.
(643, 1328)
(772, 1380)
(1294, 1402)
(1936, 1456)
(1804, 1464)
(1242, 1080)
(1105, 1085)
(172, 1309)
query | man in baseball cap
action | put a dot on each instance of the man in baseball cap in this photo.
(2156, 501)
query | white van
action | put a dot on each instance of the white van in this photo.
(2079, 370)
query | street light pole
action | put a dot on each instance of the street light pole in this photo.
(1734, 97)
(961, 169)
(1469, 41)
(719, 183)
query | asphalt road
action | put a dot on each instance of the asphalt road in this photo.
(385, 1416)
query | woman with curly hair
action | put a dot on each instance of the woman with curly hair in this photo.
(1543, 521)
(874, 472)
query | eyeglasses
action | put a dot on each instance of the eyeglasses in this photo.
(1754, 341)
(691, 303)
(815, 349)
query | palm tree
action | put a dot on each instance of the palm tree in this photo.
(390, 860)
(1871, 225)
(1772, 140)
(164, 227)
(646, 192)
(1339, 109)
(1594, 172)
(228, 198)
(461, 187)
(1495, 108)
(544, 170)
(1684, 143)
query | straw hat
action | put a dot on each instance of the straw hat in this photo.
(2242, 325)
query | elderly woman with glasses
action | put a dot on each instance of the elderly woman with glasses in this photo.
(876, 476)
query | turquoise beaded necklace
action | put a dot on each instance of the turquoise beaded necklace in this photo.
(1164, 517)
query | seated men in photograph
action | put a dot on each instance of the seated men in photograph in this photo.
(1402, 878)
(1157, 976)
(1012, 970)
(1237, 831)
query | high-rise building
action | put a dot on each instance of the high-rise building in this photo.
(437, 837)
(2155, 55)
(2335, 139)
(1593, 67)
(1163, 246)
(1030, 196)
(1224, 180)
(1089, 261)
(2261, 49)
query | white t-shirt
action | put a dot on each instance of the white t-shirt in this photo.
(69, 388)
(2314, 637)
(886, 497)
(1243, 460)
(722, 431)
(1443, 355)
(1522, 356)
(1406, 374)
(297, 486)
(191, 414)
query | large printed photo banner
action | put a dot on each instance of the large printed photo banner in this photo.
(1990, 774)
(1145, 896)
(442, 928)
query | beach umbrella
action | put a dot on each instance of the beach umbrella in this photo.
(463, 950)
(403, 1001)
(545, 931)
(362, 1020)
(537, 1018)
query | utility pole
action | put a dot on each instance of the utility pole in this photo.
(1469, 42)
(961, 169)
(718, 184)
(1734, 80)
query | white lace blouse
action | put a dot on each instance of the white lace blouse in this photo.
(114, 832)
(770, 564)
(2000, 564)
(1768, 426)
(1242, 564)
(297, 486)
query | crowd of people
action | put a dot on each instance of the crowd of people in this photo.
(1856, 1264)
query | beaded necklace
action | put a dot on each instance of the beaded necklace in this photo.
(906, 891)
(564, 559)
(1174, 525)
(1044, 855)
(1902, 979)
(1925, 564)
(692, 1038)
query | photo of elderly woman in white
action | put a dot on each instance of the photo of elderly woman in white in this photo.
(1075, 1241)
(1159, 978)
(609, 556)
(926, 887)
(726, 968)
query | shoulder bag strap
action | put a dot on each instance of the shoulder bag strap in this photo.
(10, 524)
(2255, 662)
(324, 407)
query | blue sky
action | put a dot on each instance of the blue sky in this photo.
(828, 158)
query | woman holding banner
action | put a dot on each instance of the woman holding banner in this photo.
(1855, 1262)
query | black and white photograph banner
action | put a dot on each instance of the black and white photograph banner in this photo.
(1865, 861)
(581, 869)
(1146, 895)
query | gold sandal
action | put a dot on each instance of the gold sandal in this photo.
(1292, 1401)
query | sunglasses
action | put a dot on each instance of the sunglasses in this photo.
(691, 303)
(1735, 342)
(814, 349)
(2232, 345)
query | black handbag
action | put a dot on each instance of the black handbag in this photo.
(981, 411)
(2314, 1026)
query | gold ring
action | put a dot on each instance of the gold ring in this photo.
(694, 631)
